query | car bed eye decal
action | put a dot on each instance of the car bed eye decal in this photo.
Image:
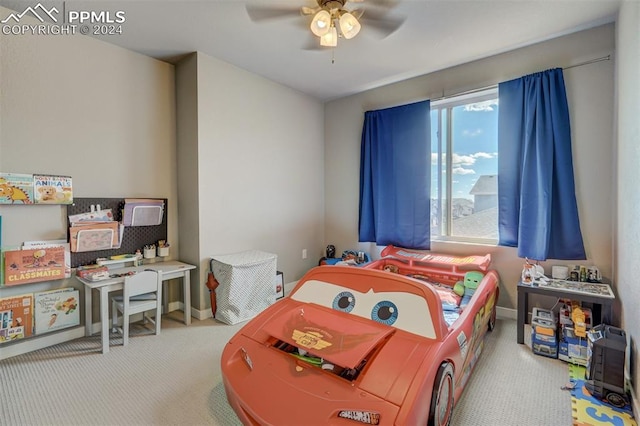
(381, 306)
(345, 301)
(385, 312)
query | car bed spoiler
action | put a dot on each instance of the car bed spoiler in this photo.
(426, 258)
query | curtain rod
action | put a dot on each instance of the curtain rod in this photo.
(592, 61)
(493, 86)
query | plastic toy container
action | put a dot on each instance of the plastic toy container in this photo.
(544, 340)
(572, 348)
(605, 365)
(543, 322)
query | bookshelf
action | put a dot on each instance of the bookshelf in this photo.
(134, 237)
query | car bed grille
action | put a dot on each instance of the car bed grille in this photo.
(349, 374)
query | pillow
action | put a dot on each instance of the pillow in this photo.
(450, 300)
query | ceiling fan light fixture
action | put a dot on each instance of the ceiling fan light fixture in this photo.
(321, 23)
(330, 39)
(349, 25)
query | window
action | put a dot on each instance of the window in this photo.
(464, 168)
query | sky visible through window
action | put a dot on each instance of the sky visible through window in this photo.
(472, 174)
(475, 133)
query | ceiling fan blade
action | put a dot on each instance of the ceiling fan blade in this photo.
(380, 22)
(377, 3)
(357, 13)
(262, 13)
(304, 10)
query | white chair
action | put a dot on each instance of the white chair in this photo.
(142, 292)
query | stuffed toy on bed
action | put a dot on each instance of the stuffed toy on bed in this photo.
(468, 287)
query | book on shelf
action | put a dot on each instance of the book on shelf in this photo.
(34, 265)
(21, 188)
(56, 309)
(1, 257)
(16, 317)
(52, 189)
(53, 243)
(16, 188)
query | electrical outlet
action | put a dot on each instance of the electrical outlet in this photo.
(304, 253)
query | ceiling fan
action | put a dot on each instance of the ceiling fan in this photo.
(332, 19)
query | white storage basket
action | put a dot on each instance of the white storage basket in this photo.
(246, 284)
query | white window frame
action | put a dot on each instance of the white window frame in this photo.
(449, 103)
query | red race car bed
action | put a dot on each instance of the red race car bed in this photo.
(390, 343)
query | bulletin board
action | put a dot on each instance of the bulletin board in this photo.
(134, 237)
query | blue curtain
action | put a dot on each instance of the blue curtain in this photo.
(395, 176)
(538, 212)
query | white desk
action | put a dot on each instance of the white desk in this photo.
(170, 270)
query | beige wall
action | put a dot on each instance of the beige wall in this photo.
(187, 156)
(105, 116)
(627, 244)
(251, 151)
(260, 169)
(590, 95)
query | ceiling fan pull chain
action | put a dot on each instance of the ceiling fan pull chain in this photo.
(333, 55)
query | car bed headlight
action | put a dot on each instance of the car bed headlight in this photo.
(366, 417)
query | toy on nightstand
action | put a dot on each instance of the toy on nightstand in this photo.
(467, 287)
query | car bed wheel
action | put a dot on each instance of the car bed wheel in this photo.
(492, 318)
(442, 397)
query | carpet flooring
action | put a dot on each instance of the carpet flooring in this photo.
(174, 379)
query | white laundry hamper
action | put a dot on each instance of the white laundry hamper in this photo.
(245, 284)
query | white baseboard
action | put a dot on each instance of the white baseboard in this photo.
(506, 313)
(195, 313)
(201, 315)
(34, 343)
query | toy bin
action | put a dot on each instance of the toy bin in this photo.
(605, 365)
(246, 284)
(572, 348)
(543, 333)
